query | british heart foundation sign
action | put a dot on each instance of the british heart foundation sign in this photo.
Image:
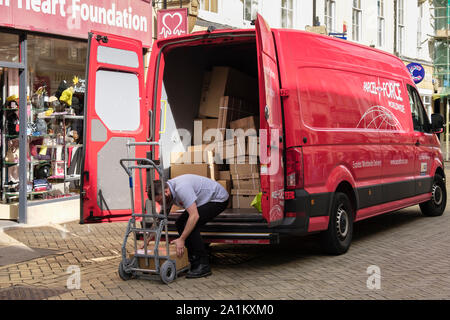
(172, 23)
(75, 18)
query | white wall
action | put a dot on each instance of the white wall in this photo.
(231, 13)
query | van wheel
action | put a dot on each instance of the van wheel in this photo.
(436, 205)
(337, 239)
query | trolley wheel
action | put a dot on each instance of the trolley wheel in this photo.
(123, 274)
(168, 271)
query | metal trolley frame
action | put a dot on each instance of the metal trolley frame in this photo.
(129, 267)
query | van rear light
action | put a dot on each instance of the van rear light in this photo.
(294, 169)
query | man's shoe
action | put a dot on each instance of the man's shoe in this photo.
(199, 271)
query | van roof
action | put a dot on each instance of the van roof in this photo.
(251, 32)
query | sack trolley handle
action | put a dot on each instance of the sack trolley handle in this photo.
(144, 163)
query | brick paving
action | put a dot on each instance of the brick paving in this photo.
(412, 252)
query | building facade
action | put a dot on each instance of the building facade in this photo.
(399, 27)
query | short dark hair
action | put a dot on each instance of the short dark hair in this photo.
(157, 184)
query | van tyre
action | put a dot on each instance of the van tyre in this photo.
(436, 205)
(337, 239)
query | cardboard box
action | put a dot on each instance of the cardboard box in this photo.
(246, 123)
(237, 176)
(242, 201)
(242, 184)
(244, 192)
(208, 126)
(201, 147)
(239, 148)
(224, 175)
(176, 208)
(190, 157)
(226, 184)
(233, 108)
(244, 168)
(200, 169)
(180, 262)
(225, 81)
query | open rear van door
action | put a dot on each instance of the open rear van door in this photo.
(114, 114)
(271, 124)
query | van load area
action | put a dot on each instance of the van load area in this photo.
(196, 118)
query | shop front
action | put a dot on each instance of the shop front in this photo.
(43, 49)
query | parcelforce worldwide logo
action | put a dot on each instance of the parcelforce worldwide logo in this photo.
(378, 117)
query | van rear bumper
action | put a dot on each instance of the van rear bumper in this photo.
(305, 208)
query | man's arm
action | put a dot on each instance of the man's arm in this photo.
(190, 225)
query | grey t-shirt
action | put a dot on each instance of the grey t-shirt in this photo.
(189, 188)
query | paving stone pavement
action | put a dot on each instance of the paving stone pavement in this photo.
(412, 252)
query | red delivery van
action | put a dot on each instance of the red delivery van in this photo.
(343, 132)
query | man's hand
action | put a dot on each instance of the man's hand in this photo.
(179, 242)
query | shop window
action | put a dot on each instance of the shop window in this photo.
(9, 47)
(55, 120)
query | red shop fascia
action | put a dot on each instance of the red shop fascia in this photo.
(42, 44)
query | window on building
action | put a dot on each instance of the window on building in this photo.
(287, 13)
(250, 9)
(356, 19)
(209, 5)
(330, 14)
(401, 26)
(380, 23)
(419, 26)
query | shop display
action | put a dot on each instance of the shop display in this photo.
(54, 128)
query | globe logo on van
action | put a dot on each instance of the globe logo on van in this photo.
(417, 72)
(380, 118)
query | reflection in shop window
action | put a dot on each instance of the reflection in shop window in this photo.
(9, 47)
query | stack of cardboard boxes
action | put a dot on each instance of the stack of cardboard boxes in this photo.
(244, 166)
(240, 153)
(228, 100)
(197, 160)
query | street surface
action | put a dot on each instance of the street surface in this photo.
(410, 251)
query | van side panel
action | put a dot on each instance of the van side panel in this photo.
(348, 109)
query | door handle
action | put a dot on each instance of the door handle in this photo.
(417, 143)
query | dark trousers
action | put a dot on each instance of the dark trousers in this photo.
(194, 243)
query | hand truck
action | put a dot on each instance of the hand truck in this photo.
(129, 267)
